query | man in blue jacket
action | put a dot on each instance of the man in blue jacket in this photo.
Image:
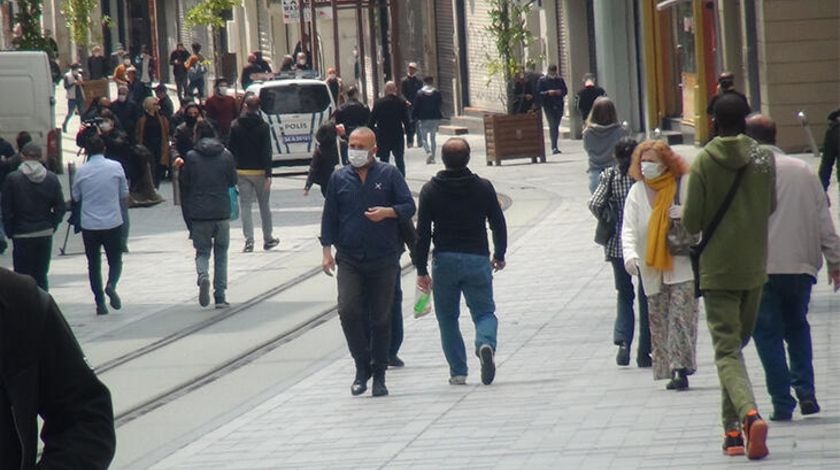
(364, 203)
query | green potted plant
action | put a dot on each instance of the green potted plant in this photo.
(510, 135)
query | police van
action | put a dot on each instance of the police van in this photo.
(294, 109)
(27, 102)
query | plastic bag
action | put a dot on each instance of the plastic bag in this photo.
(422, 302)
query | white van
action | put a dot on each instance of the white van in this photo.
(27, 102)
(294, 109)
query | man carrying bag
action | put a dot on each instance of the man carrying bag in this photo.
(733, 171)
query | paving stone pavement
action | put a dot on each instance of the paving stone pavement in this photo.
(559, 400)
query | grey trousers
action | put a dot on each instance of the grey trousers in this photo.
(252, 188)
(207, 236)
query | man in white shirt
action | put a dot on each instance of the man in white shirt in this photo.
(801, 232)
(100, 187)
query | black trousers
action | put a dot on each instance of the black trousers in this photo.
(553, 116)
(410, 131)
(94, 241)
(365, 295)
(31, 256)
(386, 147)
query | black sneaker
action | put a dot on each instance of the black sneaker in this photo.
(204, 292)
(679, 381)
(249, 246)
(733, 443)
(488, 367)
(808, 404)
(101, 309)
(379, 389)
(116, 303)
(221, 303)
(643, 361)
(395, 361)
(622, 358)
(269, 244)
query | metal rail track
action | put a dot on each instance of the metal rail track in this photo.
(184, 332)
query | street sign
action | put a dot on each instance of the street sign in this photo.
(291, 11)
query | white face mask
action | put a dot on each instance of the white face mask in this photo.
(331, 76)
(106, 126)
(358, 157)
(652, 170)
(223, 90)
(121, 98)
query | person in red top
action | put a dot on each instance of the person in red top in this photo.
(221, 109)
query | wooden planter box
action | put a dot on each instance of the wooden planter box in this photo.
(510, 136)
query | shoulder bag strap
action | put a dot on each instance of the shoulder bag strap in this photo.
(727, 201)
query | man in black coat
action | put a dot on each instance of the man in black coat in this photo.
(389, 119)
(250, 144)
(409, 87)
(352, 115)
(43, 373)
(178, 60)
(33, 206)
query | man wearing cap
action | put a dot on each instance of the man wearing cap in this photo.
(167, 108)
(33, 206)
(409, 86)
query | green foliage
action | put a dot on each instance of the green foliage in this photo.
(209, 13)
(509, 32)
(29, 17)
(77, 13)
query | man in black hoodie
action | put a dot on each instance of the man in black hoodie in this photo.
(43, 373)
(250, 144)
(459, 204)
(206, 178)
(33, 206)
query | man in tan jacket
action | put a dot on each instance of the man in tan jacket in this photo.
(801, 232)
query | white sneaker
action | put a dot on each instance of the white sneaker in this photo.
(458, 380)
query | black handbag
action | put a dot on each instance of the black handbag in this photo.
(607, 217)
(697, 250)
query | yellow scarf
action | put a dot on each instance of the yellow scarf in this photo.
(658, 255)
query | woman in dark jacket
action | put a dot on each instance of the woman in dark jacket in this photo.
(153, 133)
(613, 187)
(325, 158)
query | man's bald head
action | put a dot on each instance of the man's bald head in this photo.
(390, 88)
(252, 104)
(362, 138)
(456, 153)
(762, 129)
(730, 113)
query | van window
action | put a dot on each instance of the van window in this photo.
(295, 99)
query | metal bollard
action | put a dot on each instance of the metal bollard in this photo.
(803, 121)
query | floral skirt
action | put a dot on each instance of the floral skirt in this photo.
(673, 329)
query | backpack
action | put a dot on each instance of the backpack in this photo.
(67, 83)
(198, 70)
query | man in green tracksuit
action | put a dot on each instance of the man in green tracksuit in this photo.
(733, 265)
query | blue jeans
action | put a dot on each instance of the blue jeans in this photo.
(72, 105)
(212, 235)
(782, 318)
(594, 179)
(625, 319)
(453, 274)
(426, 135)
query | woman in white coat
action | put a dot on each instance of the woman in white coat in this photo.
(662, 182)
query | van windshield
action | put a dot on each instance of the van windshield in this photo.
(295, 98)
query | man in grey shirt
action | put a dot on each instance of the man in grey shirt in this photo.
(101, 189)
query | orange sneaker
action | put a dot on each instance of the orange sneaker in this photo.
(733, 443)
(755, 428)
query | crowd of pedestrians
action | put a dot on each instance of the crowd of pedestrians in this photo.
(728, 227)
